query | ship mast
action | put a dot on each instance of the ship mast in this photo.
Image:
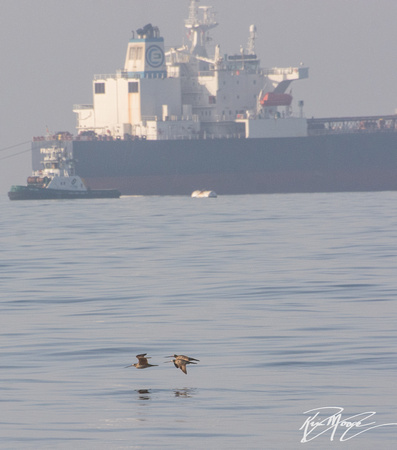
(198, 27)
(251, 40)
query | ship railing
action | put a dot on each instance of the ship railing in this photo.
(127, 137)
(361, 124)
(206, 73)
(178, 137)
(113, 76)
(172, 118)
(328, 131)
(194, 137)
(280, 71)
(104, 76)
(65, 136)
(76, 107)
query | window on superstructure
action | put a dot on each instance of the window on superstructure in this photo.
(136, 53)
(133, 87)
(99, 88)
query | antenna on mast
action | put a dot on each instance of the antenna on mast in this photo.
(251, 40)
(199, 25)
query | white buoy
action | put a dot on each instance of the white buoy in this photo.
(204, 194)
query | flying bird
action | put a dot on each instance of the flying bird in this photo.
(181, 364)
(142, 362)
(185, 358)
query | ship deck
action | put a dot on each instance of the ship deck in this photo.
(320, 126)
(358, 124)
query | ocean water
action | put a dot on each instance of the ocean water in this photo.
(288, 301)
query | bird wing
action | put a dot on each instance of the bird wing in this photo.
(142, 360)
(186, 358)
(184, 362)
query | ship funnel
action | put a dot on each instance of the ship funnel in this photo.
(145, 55)
(148, 32)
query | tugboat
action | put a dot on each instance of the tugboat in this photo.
(57, 180)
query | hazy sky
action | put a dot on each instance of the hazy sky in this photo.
(50, 50)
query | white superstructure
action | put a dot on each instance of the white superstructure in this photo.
(185, 94)
(57, 172)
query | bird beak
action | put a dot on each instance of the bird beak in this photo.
(128, 366)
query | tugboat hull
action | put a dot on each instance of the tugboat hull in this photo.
(35, 193)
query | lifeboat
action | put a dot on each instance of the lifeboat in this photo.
(275, 99)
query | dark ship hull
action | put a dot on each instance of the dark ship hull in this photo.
(359, 161)
(35, 193)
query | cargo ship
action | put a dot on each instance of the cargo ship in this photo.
(176, 120)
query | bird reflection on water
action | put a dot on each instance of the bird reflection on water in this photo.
(185, 392)
(144, 394)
